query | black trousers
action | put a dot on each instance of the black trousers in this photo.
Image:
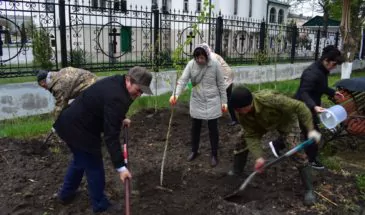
(213, 135)
(312, 149)
(230, 108)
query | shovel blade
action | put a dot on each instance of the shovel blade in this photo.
(231, 196)
(242, 187)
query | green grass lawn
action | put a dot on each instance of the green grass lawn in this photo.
(26, 127)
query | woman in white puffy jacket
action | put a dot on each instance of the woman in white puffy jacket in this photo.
(208, 98)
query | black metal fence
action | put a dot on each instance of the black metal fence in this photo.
(109, 35)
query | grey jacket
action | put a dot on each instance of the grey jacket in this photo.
(208, 93)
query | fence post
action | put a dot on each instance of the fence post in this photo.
(262, 36)
(293, 43)
(62, 10)
(317, 44)
(337, 38)
(156, 39)
(363, 44)
(219, 35)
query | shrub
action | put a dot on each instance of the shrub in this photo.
(77, 57)
(42, 50)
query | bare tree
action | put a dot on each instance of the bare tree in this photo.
(352, 21)
(319, 6)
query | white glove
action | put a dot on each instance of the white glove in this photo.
(314, 134)
(124, 173)
(53, 130)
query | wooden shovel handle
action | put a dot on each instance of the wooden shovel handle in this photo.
(127, 195)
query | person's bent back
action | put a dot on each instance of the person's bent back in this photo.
(65, 85)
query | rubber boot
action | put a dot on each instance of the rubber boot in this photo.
(239, 163)
(306, 176)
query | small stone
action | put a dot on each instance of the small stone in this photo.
(27, 194)
(135, 192)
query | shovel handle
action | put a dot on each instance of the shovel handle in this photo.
(127, 181)
(48, 136)
(267, 165)
(127, 195)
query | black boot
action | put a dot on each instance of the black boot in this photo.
(192, 156)
(213, 161)
(306, 176)
(239, 163)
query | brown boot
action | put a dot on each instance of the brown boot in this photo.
(192, 156)
(214, 161)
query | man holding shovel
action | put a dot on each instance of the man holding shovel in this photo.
(101, 108)
(264, 111)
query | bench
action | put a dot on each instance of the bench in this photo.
(354, 104)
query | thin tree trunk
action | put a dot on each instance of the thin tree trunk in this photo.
(349, 45)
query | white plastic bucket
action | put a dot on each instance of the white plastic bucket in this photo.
(333, 116)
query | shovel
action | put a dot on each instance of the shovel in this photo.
(127, 181)
(252, 175)
(48, 137)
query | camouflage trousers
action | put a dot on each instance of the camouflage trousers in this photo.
(291, 137)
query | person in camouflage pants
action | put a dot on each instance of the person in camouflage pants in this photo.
(265, 111)
(66, 84)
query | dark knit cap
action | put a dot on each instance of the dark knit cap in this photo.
(41, 75)
(241, 97)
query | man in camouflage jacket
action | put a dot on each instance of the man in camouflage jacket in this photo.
(66, 84)
(265, 111)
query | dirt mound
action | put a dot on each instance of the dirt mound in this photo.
(31, 174)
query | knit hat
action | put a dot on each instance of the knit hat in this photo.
(142, 77)
(41, 75)
(241, 97)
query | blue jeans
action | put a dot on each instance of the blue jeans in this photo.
(93, 166)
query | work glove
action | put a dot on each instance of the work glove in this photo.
(124, 174)
(224, 108)
(315, 135)
(259, 163)
(173, 100)
(53, 130)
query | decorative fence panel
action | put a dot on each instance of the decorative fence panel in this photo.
(109, 35)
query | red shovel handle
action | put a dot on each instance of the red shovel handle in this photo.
(126, 197)
(127, 181)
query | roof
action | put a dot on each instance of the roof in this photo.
(279, 2)
(318, 21)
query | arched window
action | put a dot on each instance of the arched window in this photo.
(198, 5)
(281, 16)
(186, 6)
(272, 15)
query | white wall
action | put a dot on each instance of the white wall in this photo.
(259, 9)
(29, 99)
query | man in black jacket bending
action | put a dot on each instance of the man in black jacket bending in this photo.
(100, 109)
